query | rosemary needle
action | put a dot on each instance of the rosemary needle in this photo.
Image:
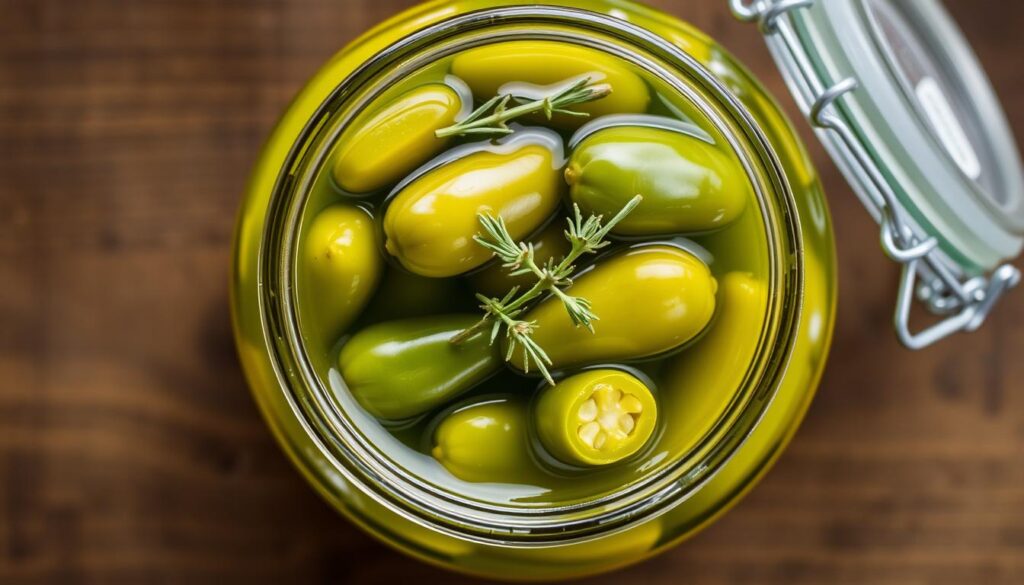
(495, 124)
(585, 237)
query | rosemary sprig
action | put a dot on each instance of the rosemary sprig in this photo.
(585, 237)
(495, 124)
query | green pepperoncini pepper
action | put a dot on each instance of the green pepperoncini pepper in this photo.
(401, 369)
(543, 66)
(486, 442)
(430, 224)
(404, 295)
(649, 300)
(396, 139)
(698, 384)
(688, 184)
(595, 418)
(340, 269)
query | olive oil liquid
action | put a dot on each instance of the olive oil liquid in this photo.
(687, 413)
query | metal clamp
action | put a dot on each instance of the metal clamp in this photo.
(765, 13)
(963, 303)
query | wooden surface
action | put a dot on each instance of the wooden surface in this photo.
(131, 452)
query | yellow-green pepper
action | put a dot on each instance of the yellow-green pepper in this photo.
(649, 300)
(430, 224)
(396, 139)
(595, 418)
(401, 369)
(699, 384)
(486, 442)
(341, 268)
(688, 184)
(546, 66)
(403, 295)
(495, 281)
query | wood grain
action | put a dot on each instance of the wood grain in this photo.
(131, 452)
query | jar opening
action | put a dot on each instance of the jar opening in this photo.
(341, 427)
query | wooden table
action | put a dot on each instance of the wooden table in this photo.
(131, 452)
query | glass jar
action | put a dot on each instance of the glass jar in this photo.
(541, 541)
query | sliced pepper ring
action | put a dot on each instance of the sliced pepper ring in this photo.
(595, 418)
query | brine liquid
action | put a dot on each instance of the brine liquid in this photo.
(739, 247)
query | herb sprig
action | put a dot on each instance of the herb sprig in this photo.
(496, 124)
(586, 236)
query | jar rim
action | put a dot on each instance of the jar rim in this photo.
(377, 475)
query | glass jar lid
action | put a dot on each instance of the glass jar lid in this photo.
(901, 103)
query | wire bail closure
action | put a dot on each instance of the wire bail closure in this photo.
(963, 303)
